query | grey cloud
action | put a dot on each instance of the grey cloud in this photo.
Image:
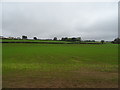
(46, 20)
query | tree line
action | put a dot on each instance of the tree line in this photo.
(73, 39)
(116, 41)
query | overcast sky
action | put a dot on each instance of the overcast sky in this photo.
(47, 20)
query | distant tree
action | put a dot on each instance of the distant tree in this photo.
(62, 39)
(66, 38)
(35, 38)
(74, 39)
(79, 39)
(55, 38)
(102, 41)
(71, 39)
(116, 41)
(24, 37)
(93, 40)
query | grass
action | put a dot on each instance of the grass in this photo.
(12, 40)
(60, 65)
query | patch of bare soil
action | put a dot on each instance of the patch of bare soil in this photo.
(70, 79)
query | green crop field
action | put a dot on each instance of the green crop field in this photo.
(11, 40)
(59, 65)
